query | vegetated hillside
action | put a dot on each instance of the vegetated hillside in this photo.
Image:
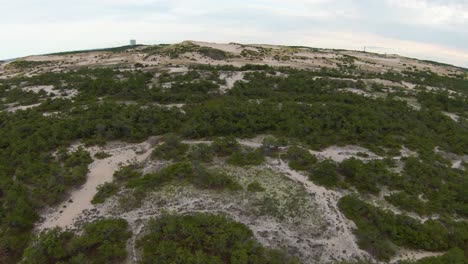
(229, 153)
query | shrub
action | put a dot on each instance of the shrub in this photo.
(246, 158)
(204, 238)
(225, 146)
(102, 241)
(171, 149)
(324, 173)
(201, 152)
(104, 191)
(299, 158)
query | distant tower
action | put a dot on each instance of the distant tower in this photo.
(132, 42)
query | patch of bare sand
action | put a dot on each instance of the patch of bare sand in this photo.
(100, 172)
(49, 89)
(414, 255)
(338, 154)
(231, 78)
(230, 47)
(14, 108)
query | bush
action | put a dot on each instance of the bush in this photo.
(246, 158)
(171, 149)
(201, 152)
(299, 158)
(102, 241)
(104, 191)
(194, 173)
(379, 229)
(225, 146)
(126, 173)
(204, 238)
(324, 173)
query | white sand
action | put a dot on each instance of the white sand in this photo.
(100, 171)
(339, 154)
(453, 116)
(231, 78)
(13, 109)
(414, 255)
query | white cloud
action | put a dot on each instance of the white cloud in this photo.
(432, 12)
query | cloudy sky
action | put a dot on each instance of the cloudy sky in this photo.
(425, 29)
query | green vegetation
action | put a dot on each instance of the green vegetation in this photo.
(379, 231)
(225, 146)
(105, 191)
(204, 238)
(324, 173)
(430, 176)
(201, 152)
(246, 158)
(367, 177)
(175, 51)
(300, 159)
(103, 241)
(23, 64)
(114, 49)
(171, 149)
(190, 172)
(305, 107)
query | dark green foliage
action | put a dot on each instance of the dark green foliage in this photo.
(431, 176)
(299, 158)
(246, 157)
(204, 238)
(378, 230)
(255, 187)
(171, 149)
(103, 241)
(22, 64)
(225, 146)
(114, 49)
(324, 173)
(104, 191)
(201, 152)
(174, 51)
(367, 177)
(194, 173)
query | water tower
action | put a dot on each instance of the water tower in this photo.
(132, 42)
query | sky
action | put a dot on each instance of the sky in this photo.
(425, 29)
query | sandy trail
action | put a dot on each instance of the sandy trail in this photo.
(100, 172)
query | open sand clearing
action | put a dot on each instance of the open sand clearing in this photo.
(339, 154)
(100, 172)
(231, 78)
